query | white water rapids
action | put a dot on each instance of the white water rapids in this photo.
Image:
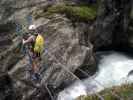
(113, 70)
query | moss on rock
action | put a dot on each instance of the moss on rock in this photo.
(76, 13)
(124, 91)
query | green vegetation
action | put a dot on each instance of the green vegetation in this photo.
(76, 13)
(125, 92)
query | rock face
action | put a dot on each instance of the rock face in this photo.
(65, 55)
(112, 23)
(130, 36)
(14, 9)
(6, 88)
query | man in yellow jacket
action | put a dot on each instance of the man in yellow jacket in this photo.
(35, 43)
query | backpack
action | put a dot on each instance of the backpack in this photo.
(39, 44)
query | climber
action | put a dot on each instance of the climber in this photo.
(35, 43)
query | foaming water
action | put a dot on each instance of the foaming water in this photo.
(114, 69)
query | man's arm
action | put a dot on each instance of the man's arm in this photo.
(30, 39)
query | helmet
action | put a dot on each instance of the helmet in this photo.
(32, 27)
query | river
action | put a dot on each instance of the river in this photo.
(114, 68)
